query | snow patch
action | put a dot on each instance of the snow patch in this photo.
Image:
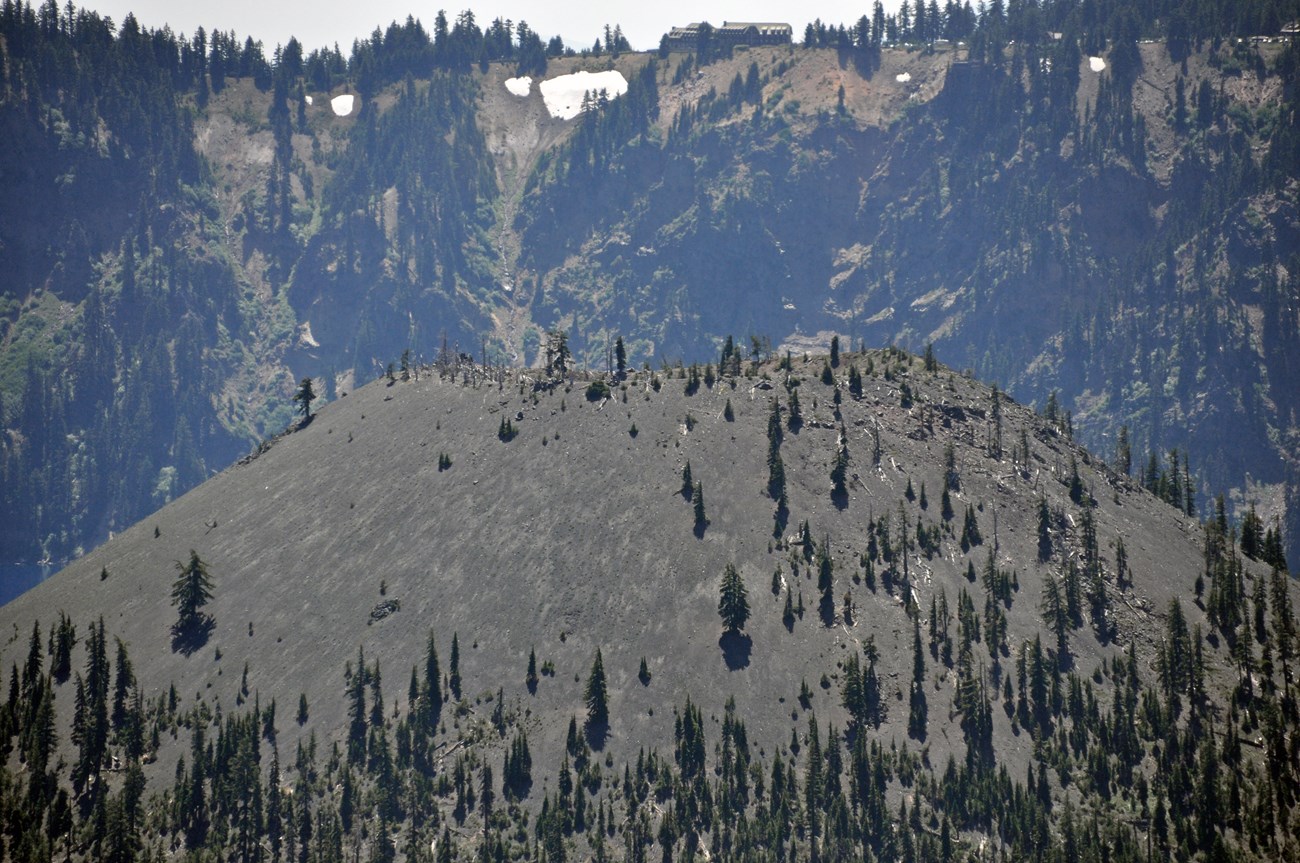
(308, 98)
(563, 95)
(519, 86)
(343, 105)
(1096, 64)
(903, 77)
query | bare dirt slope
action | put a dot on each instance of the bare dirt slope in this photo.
(575, 536)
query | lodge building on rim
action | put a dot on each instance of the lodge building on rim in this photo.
(730, 34)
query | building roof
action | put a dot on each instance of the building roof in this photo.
(760, 26)
(763, 27)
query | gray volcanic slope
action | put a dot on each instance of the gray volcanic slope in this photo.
(575, 536)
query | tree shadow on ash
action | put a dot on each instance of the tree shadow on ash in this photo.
(187, 640)
(597, 733)
(826, 608)
(736, 648)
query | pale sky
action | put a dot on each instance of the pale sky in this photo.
(325, 22)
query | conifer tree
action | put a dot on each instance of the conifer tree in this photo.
(701, 521)
(1072, 594)
(304, 396)
(825, 572)
(557, 353)
(356, 691)
(516, 773)
(1284, 623)
(124, 682)
(596, 694)
(274, 807)
(33, 667)
(995, 414)
(730, 357)
(485, 800)
(855, 381)
(62, 639)
(1075, 482)
(195, 818)
(90, 719)
(377, 696)
(775, 467)
(1124, 451)
(191, 590)
(1252, 528)
(1044, 531)
(970, 530)
(917, 717)
(1054, 615)
(951, 479)
(432, 687)
(795, 418)
(453, 674)
(840, 469)
(733, 600)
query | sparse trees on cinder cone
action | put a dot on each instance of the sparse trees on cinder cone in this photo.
(190, 592)
(733, 601)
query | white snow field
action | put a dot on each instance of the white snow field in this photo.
(1096, 64)
(308, 98)
(342, 105)
(519, 86)
(903, 77)
(563, 95)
